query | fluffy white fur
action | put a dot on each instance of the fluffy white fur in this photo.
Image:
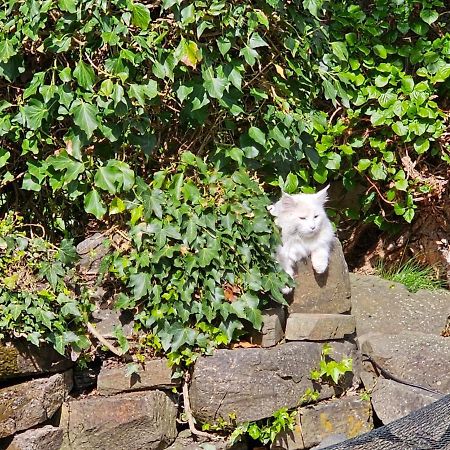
(305, 230)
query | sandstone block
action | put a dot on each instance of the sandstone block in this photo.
(272, 330)
(45, 438)
(27, 404)
(392, 400)
(347, 415)
(386, 307)
(253, 383)
(417, 358)
(22, 358)
(155, 373)
(318, 327)
(131, 421)
(327, 293)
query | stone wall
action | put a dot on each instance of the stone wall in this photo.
(39, 410)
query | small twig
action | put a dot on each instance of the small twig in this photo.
(334, 113)
(190, 417)
(102, 340)
(378, 192)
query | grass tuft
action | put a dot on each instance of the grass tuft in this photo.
(412, 275)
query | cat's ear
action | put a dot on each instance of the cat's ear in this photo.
(287, 201)
(322, 195)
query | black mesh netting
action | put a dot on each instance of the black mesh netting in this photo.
(424, 429)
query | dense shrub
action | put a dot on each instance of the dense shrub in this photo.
(99, 97)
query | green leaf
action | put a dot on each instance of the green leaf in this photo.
(400, 129)
(94, 205)
(442, 74)
(140, 16)
(216, 86)
(224, 45)
(257, 135)
(106, 178)
(429, 16)
(205, 256)
(313, 6)
(35, 112)
(409, 215)
(85, 75)
(141, 283)
(85, 116)
(340, 50)
(68, 5)
(421, 145)
(380, 51)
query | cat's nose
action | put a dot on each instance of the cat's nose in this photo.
(313, 227)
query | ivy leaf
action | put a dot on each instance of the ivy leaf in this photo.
(188, 53)
(141, 283)
(224, 45)
(216, 86)
(35, 112)
(106, 178)
(340, 50)
(429, 16)
(313, 6)
(93, 204)
(140, 16)
(67, 252)
(257, 135)
(380, 51)
(205, 256)
(85, 75)
(421, 145)
(85, 116)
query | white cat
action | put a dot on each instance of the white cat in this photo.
(305, 230)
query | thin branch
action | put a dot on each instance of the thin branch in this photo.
(103, 341)
(378, 192)
(190, 417)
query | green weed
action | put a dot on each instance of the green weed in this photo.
(412, 274)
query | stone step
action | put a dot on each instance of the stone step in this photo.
(319, 327)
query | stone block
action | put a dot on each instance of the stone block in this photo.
(185, 441)
(21, 358)
(318, 327)
(131, 421)
(392, 400)
(349, 416)
(91, 252)
(387, 307)
(417, 358)
(30, 403)
(105, 321)
(272, 330)
(327, 293)
(154, 373)
(253, 383)
(45, 438)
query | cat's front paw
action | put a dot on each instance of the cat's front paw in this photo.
(286, 290)
(320, 266)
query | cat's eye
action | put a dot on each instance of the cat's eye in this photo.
(316, 216)
(302, 218)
